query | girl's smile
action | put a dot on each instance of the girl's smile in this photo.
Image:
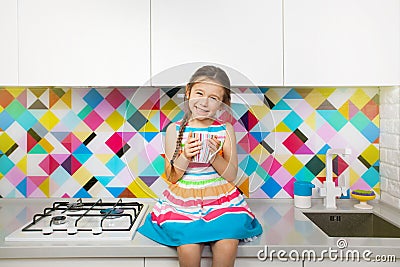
(201, 111)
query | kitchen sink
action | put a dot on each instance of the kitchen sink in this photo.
(337, 224)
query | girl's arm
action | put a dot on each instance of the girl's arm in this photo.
(227, 164)
(182, 161)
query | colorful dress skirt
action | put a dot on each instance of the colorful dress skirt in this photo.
(201, 207)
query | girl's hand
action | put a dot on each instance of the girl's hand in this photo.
(214, 145)
(192, 146)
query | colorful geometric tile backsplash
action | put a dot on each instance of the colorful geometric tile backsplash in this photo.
(108, 142)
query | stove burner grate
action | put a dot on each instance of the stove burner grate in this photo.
(85, 216)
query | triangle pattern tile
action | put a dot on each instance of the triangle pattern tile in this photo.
(153, 102)
(5, 98)
(93, 98)
(104, 110)
(293, 94)
(149, 180)
(115, 98)
(71, 164)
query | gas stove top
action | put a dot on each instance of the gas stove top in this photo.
(93, 220)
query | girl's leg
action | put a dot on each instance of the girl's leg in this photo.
(190, 255)
(224, 252)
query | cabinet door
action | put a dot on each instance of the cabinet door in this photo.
(239, 262)
(244, 36)
(68, 262)
(353, 262)
(8, 43)
(91, 42)
(254, 262)
(341, 42)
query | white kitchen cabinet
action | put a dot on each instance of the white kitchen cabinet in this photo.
(350, 263)
(245, 37)
(239, 262)
(341, 42)
(68, 262)
(8, 43)
(254, 262)
(91, 42)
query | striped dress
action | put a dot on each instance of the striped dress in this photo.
(201, 207)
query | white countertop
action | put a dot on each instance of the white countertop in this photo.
(285, 228)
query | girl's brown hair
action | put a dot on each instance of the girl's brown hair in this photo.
(204, 74)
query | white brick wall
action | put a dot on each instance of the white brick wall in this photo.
(390, 145)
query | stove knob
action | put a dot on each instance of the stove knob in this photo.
(72, 230)
(47, 230)
(97, 230)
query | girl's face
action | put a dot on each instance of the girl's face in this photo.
(205, 99)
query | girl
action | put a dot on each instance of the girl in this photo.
(202, 205)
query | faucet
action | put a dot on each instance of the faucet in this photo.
(329, 191)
